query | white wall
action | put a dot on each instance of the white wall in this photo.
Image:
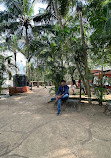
(21, 64)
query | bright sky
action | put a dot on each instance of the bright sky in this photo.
(37, 6)
(2, 8)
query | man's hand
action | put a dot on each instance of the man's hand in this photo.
(58, 97)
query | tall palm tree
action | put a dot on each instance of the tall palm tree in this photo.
(17, 19)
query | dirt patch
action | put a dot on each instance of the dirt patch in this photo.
(30, 128)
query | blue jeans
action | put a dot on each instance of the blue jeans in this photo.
(65, 97)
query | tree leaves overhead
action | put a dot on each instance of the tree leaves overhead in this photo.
(14, 6)
(64, 6)
(99, 18)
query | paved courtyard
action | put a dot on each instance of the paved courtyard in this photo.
(29, 128)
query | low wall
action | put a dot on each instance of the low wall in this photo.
(41, 83)
(15, 90)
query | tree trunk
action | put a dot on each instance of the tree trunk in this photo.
(37, 80)
(32, 77)
(85, 58)
(29, 76)
(80, 90)
(57, 13)
(15, 56)
(37, 74)
(27, 46)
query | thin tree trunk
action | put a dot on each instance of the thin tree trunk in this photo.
(32, 77)
(29, 76)
(37, 75)
(57, 13)
(38, 80)
(15, 56)
(85, 57)
(27, 46)
(80, 89)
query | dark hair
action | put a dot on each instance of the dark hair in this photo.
(63, 81)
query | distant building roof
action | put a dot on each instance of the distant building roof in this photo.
(99, 72)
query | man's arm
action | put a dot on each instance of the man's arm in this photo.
(57, 94)
(58, 91)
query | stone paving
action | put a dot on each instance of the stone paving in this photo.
(29, 128)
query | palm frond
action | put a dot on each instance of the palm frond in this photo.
(40, 17)
(5, 16)
(14, 6)
(12, 26)
(42, 28)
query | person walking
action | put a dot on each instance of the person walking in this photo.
(82, 87)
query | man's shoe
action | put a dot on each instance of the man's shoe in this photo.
(50, 101)
(58, 113)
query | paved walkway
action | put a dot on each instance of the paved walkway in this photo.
(29, 128)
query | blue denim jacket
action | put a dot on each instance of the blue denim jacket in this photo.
(63, 90)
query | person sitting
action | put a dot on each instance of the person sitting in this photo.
(61, 95)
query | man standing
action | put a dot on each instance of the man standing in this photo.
(62, 94)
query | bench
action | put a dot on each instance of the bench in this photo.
(70, 103)
(108, 108)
